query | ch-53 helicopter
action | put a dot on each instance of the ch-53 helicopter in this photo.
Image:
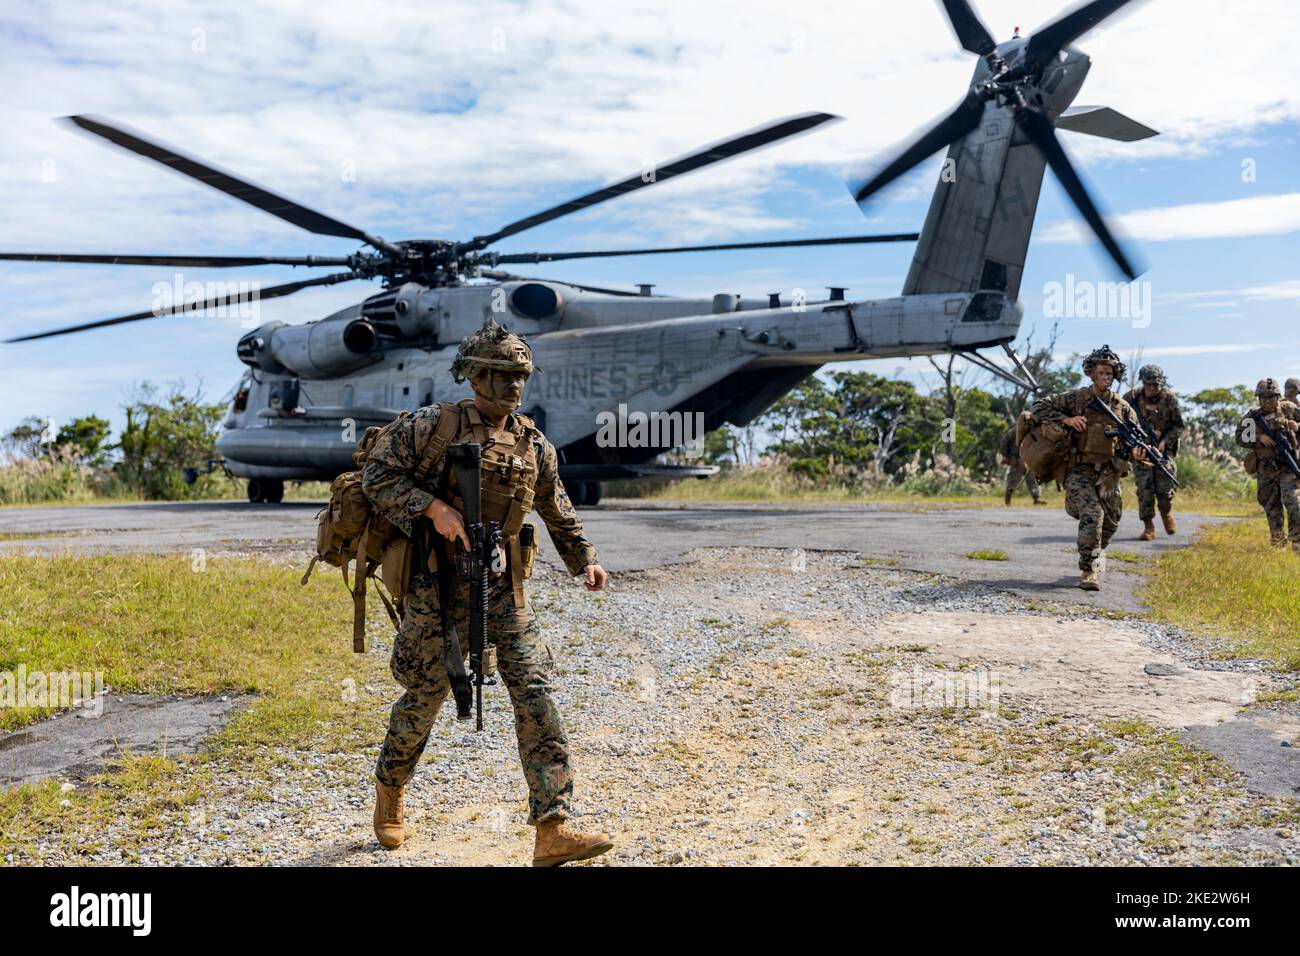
(728, 358)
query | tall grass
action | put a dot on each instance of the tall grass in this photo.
(1232, 583)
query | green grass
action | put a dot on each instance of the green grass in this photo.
(1231, 583)
(151, 624)
(987, 555)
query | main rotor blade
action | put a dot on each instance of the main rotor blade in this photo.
(1039, 130)
(192, 262)
(706, 156)
(231, 185)
(964, 119)
(1054, 37)
(271, 292)
(776, 244)
(971, 32)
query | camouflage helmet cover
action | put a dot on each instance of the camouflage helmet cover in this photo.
(1293, 384)
(1104, 356)
(1152, 373)
(1267, 387)
(493, 346)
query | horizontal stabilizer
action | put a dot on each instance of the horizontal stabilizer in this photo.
(1104, 121)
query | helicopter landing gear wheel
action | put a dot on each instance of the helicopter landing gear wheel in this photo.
(265, 491)
(593, 493)
(577, 492)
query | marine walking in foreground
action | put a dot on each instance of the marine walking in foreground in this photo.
(409, 480)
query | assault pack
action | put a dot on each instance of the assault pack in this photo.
(1044, 449)
(350, 531)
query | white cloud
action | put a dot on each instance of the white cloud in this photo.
(1257, 216)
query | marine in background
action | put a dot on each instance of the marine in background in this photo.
(1094, 462)
(1277, 488)
(1157, 408)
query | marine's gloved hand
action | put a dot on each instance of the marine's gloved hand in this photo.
(447, 521)
(596, 577)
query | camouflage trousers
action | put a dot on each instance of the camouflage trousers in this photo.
(1278, 492)
(524, 663)
(1016, 472)
(1092, 498)
(1153, 489)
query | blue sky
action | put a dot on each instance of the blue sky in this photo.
(456, 121)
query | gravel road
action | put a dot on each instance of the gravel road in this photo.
(733, 702)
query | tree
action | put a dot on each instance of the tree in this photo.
(1212, 414)
(27, 438)
(86, 436)
(163, 435)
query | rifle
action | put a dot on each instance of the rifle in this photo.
(1131, 437)
(1281, 444)
(485, 553)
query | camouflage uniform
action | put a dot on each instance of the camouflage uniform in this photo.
(1166, 419)
(1016, 470)
(1093, 470)
(1277, 489)
(524, 660)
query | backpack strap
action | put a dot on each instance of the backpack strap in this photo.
(443, 433)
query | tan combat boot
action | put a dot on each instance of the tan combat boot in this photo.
(1148, 530)
(1171, 526)
(557, 843)
(1089, 581)
(389, 826)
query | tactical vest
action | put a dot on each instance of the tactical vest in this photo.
(509, 478)
(1092, 446)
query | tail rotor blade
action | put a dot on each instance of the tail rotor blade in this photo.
(1054, 37)
(964, 119)
(1039, 129)
(971, 32)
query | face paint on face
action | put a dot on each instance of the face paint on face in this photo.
(1150, 389)
(1269, 404)
(1102, 376)
(504, 390)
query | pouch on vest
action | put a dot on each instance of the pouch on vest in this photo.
(528, 547)
(1251, 462)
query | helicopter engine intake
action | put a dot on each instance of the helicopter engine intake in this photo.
(319, 350)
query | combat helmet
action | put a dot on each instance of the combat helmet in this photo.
(493, 346)
(1152, 374)
(1293, 384)
(1104, 356)
(1267, 388)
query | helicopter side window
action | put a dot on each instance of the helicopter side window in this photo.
(984, 307)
